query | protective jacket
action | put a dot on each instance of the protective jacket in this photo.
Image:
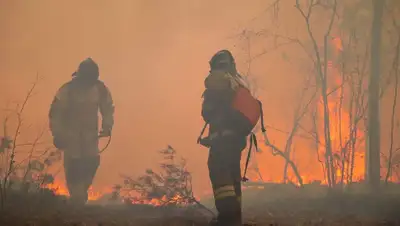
(74, 118)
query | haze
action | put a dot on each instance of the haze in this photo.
(153, 55)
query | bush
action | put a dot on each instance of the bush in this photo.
(171, 186)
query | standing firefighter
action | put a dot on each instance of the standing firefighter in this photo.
(74, 124)
(231, 113)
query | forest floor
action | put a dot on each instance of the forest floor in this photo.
(269, 205)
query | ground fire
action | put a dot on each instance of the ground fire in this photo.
(270, 166)
(59, 188)
(324, 74)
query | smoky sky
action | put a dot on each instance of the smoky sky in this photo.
(153, 55)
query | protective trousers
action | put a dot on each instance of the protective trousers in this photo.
(79, 174)
(225, 175)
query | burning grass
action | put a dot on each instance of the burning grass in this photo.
(170, 185)
(264, 204)
(165, 197)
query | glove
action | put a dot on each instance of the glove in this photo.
(58, 142)
(105, 133)
(206, 142)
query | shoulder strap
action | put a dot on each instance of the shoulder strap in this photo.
(202, 132)
(252, 140)
(262, 117)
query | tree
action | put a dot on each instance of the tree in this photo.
(392, 156)
(29, 171)
(343, 28)
(373, 147)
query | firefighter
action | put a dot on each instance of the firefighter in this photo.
(74, 120)
(225, 140)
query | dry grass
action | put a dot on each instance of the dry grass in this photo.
(270, 208)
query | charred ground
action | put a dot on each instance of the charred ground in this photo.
(164, 196)
(266, 204)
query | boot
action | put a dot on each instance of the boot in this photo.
(78, 195)
(213, 222)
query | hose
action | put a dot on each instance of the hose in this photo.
(108, 143)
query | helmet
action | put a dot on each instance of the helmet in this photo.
(88, 69)
(224, 60)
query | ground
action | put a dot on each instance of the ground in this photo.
(262, 206)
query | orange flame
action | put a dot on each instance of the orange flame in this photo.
(59, 189)
(176, 200)
(310, 171)
(307, 162)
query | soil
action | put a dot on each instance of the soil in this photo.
(261, 207)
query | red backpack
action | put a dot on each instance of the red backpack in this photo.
(248, 106)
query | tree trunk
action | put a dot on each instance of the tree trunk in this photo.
(373, 148)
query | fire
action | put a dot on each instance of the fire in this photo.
(271, 168)
(306, 156)
(164, 200)
(338, 43)
(59, 189)
(340, 126)
(93, 195)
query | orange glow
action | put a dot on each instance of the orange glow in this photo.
(59, 189)
(176, 200)
(154, 59)
(338, 43)
(339, 129)
(340, 126)
(340, 123)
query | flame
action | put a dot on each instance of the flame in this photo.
(164, 200)
(339, 131)
(337, 42)
(305, 154)
(93, 194)
(340, 124)
(311, 171)
(60, 189)
(57, 188)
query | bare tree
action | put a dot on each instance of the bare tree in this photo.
(36, 156)
(337, 157)
(373, 147)
(9, 154)
(394, 105)
(305, 102)
(320, 63)
(300, 112)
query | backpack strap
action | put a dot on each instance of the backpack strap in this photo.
(202, 132)
(263, 130)
(252, 140)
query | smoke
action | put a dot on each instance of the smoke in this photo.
(153, 55)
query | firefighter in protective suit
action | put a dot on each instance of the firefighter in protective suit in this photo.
(225, 139)
(73, 120)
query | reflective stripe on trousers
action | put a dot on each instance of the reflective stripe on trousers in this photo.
(224, 192)
(225, 175)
